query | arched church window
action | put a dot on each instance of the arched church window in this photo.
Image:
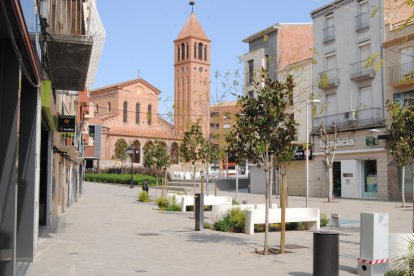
(205, 52)
(149, 114)
(188, 50)
(182, 51)
(178, 53)
(109, 106)
(200, 51)
(137, 112)
(195, 50)
(125, 112)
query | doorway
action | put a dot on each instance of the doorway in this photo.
(337, 179)
(44, 154)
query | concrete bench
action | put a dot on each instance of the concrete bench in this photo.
(219, 210)
(188, 200)
(310, 216)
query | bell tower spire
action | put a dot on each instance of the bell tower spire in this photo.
(191, 77)
(192, 3)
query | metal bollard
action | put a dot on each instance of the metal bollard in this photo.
(325, 253)
(199, 211)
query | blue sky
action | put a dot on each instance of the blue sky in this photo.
(140, 36)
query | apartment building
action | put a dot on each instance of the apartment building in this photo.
(399, 78)
(349, 81)
(285, 49)
(51, 50)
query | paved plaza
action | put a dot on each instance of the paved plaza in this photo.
(108, 232)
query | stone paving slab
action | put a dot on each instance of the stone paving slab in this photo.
(109, 233)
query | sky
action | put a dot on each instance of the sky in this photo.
(140, 35)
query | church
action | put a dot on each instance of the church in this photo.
(129, 110)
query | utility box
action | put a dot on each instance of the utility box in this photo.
(373, 244)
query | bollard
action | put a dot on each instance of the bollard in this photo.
(325, 253)
(335, 220)
(199, 211)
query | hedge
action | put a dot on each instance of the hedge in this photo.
(119, 178)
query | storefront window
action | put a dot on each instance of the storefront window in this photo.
(370, 188)
(408, 185)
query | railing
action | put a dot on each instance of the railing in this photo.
(362, 21)
(67, 17)
(361, 69)
(353, 119)
(401, 73)
(328, 79)
(329, 34)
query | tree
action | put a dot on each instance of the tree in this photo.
(400, 140)
(157, 157)
(194, 148)
(120, 151)
(329, 148)
(264, 133)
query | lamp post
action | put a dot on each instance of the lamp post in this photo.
(130, 151)
(307, 146)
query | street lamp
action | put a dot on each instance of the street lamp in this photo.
(313, 101)
(130, 151)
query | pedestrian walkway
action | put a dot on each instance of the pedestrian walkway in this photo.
(108, 232)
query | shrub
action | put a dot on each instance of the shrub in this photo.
(232, 220)
(139, 170)
(119, 178)
(404, 265)
(208, 226)
(162, 203)
(144, 197)
(235, 202)
(166, 204)
(324, 220)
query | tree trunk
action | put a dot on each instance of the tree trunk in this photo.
(166, 180)
(403, 187)
(207, 177)
(266, 240)
(330, 185)
(283, 200)
(270, 186)
(194, 182)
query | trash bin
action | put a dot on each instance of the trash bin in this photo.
(325, 253)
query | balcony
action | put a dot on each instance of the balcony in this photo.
(328, 79)
(361, 71)
(401, 75)
(74, 42)
(362, 21)
(329, 34)
(356, 119)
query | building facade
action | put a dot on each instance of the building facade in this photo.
(48, 58)
(128, 111)
(284, 49)
(349, 80)
(399, 80)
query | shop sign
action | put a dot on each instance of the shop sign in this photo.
(345, 142)
(66, 123)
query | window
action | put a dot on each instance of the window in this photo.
(214, 125)
(329, 30)
(205, 52)
(178, 53)
(404, 97)
(182, 51)
(363, 17)
(250, 94)
(214, 114)
(195, 50)
(149, 114)
(125, 112)
(200, 51)
(331, 100)
(137, 112)
(364, 50)
(250, 71)
(226, 126)
(109, 107)
(97, 109)
(187, 48)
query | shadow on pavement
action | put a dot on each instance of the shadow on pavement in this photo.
(217, 238)
(299, 273)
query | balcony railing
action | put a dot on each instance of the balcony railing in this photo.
(328, 79)
(74, 42)
(329, 34)
(362, 118)
(362, 21)
(361, 70)
(401, 74)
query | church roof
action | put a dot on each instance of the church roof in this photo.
(192, 28)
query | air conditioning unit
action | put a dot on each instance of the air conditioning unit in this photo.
(351, 115)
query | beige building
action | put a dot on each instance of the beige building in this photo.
(399, 82)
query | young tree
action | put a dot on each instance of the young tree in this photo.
(120, 152)
(194, 149)
(264, 133)
(329, 148)
(157, 157)
(401, 137)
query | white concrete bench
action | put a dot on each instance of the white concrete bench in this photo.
(188, 200)
(219, 210)
(310, 216)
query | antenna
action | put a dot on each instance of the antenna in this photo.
(192, 3)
